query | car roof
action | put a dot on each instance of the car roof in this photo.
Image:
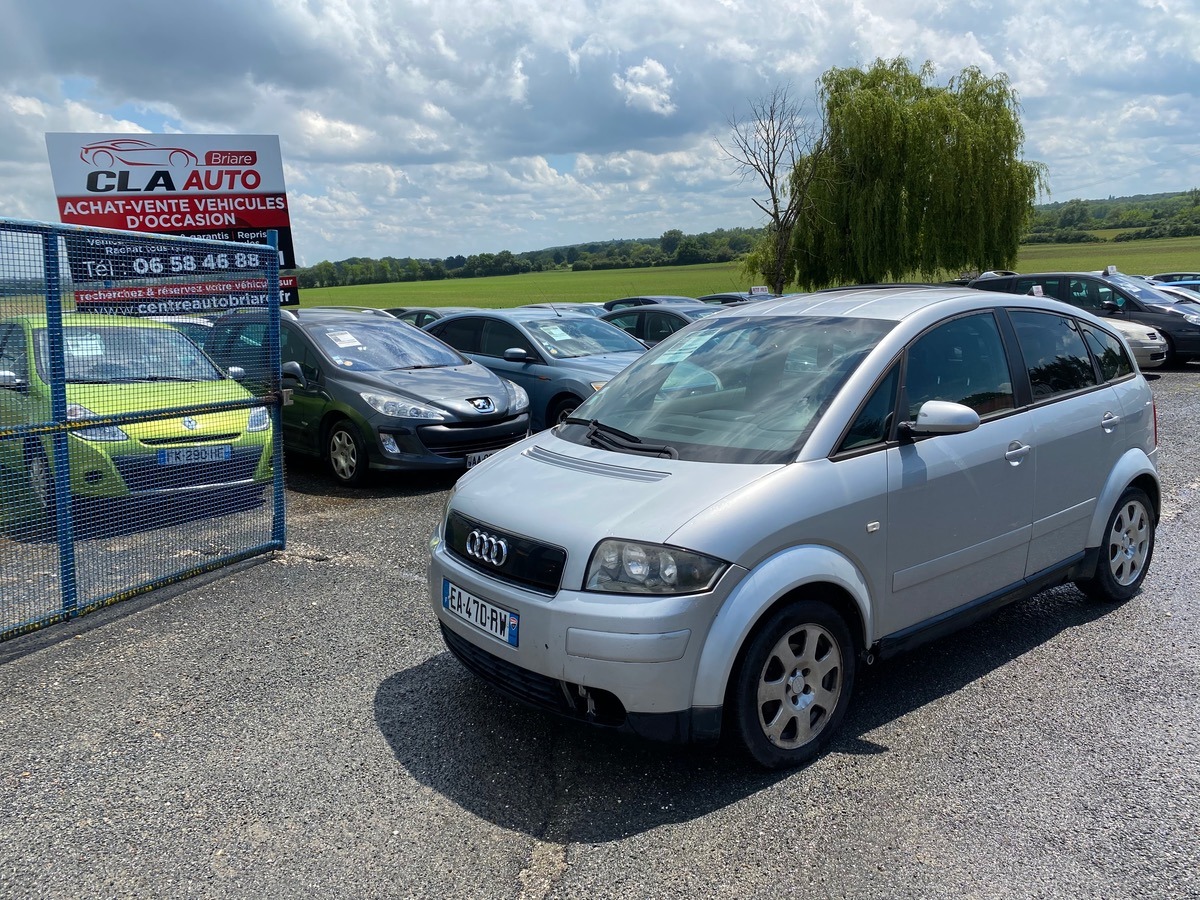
(888, 302)
(648, 308)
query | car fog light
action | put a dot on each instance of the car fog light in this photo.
(389, 443)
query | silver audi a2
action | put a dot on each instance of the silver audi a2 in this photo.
(788, 490)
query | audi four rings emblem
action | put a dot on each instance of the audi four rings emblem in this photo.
(487, 548)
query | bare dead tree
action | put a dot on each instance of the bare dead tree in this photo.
(778, 145)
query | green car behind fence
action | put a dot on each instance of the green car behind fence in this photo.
(115, 366)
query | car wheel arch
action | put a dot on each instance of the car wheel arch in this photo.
(1133, 469)
(556, 401)
(803, 572)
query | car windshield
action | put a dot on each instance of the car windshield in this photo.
(567, 337)
(110, 354)
(379, 345)
(1140, 289)
(741, 389)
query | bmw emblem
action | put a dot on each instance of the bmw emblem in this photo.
(190, 424)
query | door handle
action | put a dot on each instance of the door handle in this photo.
(1110, 422)
(1017, 452)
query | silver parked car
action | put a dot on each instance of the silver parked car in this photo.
(791, 490)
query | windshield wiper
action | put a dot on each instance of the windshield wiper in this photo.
(422, 366)
(608, 438)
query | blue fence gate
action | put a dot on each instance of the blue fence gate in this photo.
(128, 458)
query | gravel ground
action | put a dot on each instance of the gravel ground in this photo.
(294, 725)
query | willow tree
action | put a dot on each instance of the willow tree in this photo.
(914, 179)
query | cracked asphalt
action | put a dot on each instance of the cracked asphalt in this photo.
(294, 727)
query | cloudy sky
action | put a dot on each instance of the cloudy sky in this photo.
(430, 128)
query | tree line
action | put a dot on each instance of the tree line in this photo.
(672, 248)
(1137, 217)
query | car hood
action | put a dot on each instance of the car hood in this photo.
(573, 496)
(135, 397)
(450, 387)
(138, 396)
(600, 366)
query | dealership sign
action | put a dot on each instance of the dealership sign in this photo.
(222, 187)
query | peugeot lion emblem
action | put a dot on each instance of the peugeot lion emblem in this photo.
(190, 424)
(487, 548)
(483, 404)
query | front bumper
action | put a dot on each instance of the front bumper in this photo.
(621, 661)
(1149, 354)
(440, 447)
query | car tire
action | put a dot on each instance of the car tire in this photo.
(561, 410)
(1126, 550)
(793, 683)
(1172, 358)
(346, 453)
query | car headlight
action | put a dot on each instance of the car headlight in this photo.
(518, 398)
(260, 419)
(632, 567)
(1195, 320)
(400, 407)
(75, 412)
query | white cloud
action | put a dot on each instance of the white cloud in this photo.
(646, 87)
(422, 128)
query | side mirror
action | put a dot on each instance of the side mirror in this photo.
(516, 354)
(291, 371)
(1111, 306)
(941, 417)
(237, 373)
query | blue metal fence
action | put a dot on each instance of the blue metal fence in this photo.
(128, 458)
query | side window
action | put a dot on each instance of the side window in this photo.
(13, 355)
(659, 326)
(962, 361)
(1046, 287)
(1084, 294)
(1105, 294)
(627, 322)
(293, 348)
(461, 334)
(874, 420)
(500, 336)
(1055, 354)
(1114, 361)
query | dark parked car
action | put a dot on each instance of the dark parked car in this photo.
(561, 360)
(373, 393)
(420, 316)
(1112, 294)
(731, 298)
(626, 302)
(651, 324)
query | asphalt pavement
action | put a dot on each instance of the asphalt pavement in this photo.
(294, 727)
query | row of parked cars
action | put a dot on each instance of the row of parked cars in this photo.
(370, 393)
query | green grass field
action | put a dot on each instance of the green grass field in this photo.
(1137, 257)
